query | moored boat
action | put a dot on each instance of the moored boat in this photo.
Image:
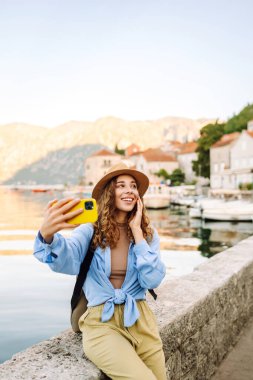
(157, 197)
(239, 215)
(40, 190)
(156, 201)
(240, 211)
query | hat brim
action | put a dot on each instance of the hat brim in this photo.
(141, 180)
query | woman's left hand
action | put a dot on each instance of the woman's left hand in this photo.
(135, 223)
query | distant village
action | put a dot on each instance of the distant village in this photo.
(231, 161)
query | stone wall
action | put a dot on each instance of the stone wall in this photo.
(200, 316)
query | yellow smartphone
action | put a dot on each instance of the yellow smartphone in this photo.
(89, 214)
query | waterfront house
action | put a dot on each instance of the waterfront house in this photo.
(231, 160)
(97, 164)
(152, 160)
(220, 161)
(185, 157)
(242, 159)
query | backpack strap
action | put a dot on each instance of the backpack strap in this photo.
(84, 268)
(153, 293)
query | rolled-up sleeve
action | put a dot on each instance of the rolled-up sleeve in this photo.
(151, 269)
(65, 255)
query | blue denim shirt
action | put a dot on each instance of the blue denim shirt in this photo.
(145, 270)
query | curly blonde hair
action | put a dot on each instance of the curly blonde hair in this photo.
(106, 230)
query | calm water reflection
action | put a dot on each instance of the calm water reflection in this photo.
(213, 237)
(31, 311)
(23, 211)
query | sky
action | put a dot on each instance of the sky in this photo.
(134, 59)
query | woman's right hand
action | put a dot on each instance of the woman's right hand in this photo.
(56, 216)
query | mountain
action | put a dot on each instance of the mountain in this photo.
(24, 148)
(61, 166)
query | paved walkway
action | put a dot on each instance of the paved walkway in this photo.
(238, 365)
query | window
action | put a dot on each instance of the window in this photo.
(107, 163)
(244, 145)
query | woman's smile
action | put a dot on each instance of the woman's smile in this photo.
(128, 200)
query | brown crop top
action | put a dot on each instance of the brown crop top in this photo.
(119, 256)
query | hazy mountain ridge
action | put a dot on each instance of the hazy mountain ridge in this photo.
(22, 144)
(61, 166)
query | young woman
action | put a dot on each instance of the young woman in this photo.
(120, 333)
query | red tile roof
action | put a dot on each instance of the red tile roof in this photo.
(226, 139)
(250, 133)
(189, 147)
(175, 143)
(104, 152)
(156, 154)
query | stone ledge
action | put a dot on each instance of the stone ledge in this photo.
(200, 316)
(59, 357)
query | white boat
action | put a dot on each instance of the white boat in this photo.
(184, 195)
(195, 212)
(216, 209)
(198, 207)
(157, 197)
(239, 211)
(156, 201)
(233, 215)
(185, 201)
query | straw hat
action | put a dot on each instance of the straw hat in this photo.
(124, 167)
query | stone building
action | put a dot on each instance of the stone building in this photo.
(152, 160)
(185, 157)
(242, 160)
(98, 163)
(220, 160)
(231, 160)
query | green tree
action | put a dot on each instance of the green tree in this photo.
(239, 122)
(177, 177)
(208, 136)
(163, 173)
(119, 151)
(212, 133)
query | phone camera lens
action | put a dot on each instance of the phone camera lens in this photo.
(89, 205)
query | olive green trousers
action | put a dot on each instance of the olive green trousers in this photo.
(129, 353)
